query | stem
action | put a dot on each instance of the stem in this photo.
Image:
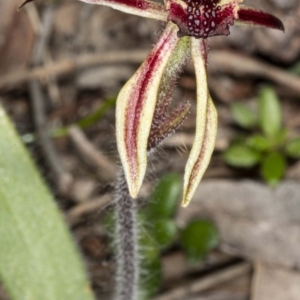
(126, 237)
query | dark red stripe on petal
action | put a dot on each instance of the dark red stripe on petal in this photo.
(199, 161)
(260, 18)
(138, 98)
(142, 5)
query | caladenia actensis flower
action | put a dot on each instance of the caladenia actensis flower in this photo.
(189, 24)
(136, 111)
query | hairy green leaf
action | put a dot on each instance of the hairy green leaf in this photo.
(38, 259)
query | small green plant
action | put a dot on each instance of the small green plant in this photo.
(83, 123)
(158, 232)
(267, 144)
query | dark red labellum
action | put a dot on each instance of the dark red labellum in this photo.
(202, 18)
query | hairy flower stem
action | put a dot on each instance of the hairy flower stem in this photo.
(126, 237)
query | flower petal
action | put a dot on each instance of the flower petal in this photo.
(251, 16)
(165, 122)
(135, 109)
(206, 126)
(143, 8)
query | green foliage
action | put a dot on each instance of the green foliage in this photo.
(268, 145)
(83, 123)
(243, 115)
(273, 168)
(164, 199)
(295, 69)
(270, 118)
(159, 231)
(258, 142)
(242, 156)
(151, 279)
(292, 148)
(164, 232)
(38, 259)
(198, 238)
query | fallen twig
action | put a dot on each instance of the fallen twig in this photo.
(74, 215)
(93, 156)
(63, 178)
(207, 282)
(241, 65)
(178, 139)
(175, 266)
(219, 61)
(68, 66)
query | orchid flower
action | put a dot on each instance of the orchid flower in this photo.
(143, 117)
(142, 103)
(189, 24)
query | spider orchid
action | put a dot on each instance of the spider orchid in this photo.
(142, 119)
(142, 103)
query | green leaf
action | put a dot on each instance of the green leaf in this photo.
(108, 222)
(243, 115)
(279, 139)
(38, 259)
(241, 156)
(292, 148)
(148, 246)
(198, 238)
(273, 168)
(164, 199)
(295, 69)
(270, 117)
(258, 142)
(164, 232)
(151, 278)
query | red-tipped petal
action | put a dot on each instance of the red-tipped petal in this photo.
(251, 16)
(206, 126)
(135, 109)
(143, 8)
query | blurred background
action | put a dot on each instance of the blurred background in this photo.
(62, 64)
